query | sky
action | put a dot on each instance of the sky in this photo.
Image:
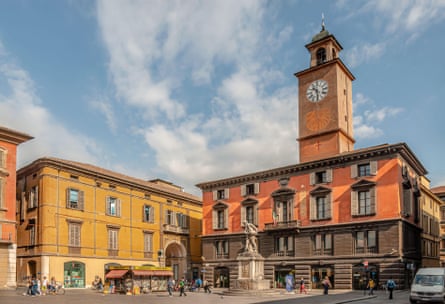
(194, 91)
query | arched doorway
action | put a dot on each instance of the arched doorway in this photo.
(221, 277)
(176, 258)
(319, 273)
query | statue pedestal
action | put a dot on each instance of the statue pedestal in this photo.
(251, 272)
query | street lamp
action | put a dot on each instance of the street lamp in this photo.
(160, 255)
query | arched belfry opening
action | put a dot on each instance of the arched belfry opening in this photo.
(321, 56)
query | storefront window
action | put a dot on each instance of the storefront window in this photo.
(74, 274)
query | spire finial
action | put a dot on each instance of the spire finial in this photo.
(322, 21)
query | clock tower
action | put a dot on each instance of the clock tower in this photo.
(325, 101)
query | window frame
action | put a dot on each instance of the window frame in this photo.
(221, 249)
(315, 196)
(220, 216)
(147, 213)
(359, 207)
(117, 207)
(74, 234)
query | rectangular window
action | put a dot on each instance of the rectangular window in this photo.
(366, 241)
(250, 189)
(322, 244)
(364, 202)
(169, 217)
(221, 194)
(364, 169)
(182, 220)
(74, 199)
(33, 201)
(113, 239)
(320, 177)
(2, 158)
(221, 217)
(250, 214)
(321, 207)
(32, 235)
(148, 214)
(284, 246)
(113, 206)
(148, 242)
(74, 234)
(222, 249)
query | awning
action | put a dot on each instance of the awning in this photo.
(146, 273)
(116, 274)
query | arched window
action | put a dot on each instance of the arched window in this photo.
(321, 55)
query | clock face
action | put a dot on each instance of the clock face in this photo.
(317, 90)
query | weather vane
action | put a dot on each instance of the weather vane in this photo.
(322, 21)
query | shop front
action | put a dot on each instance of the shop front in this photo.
(137, 279)
(74, 274)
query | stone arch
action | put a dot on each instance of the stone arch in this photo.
(176, 258)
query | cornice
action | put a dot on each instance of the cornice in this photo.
(12, 136)
(339, 160)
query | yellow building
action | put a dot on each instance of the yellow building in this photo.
(430, 206)
(76, 220)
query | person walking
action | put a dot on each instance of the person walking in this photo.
(302, 286)
(371, 286)
(170, 286)
(182, 288)
(390, 285)
(44, 286)
(206, 287)
(326, 285)
(198, 284)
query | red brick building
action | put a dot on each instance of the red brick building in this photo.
(344, 213)
(9, 140)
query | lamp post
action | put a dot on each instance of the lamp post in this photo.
(160, 255)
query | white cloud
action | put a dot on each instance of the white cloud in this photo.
(105, 108)
(21, 109)
(363, 53)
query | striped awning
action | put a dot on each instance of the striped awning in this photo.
(116, 274)
(147, 273)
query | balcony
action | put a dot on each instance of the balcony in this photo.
(175, 229)
(286, 253)
(222, 256)
(282, 225)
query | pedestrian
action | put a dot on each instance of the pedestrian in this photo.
(198, 284)
(390, 284)
(44, 285)
(206, 287)
(371, 286)
(326, 285)
(182, 288)
(302, 286)
(170, 286)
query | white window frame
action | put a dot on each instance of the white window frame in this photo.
(117, 209)
(74, 234)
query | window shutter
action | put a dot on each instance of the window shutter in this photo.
(329, 205)
(329, 175)
(354, 171)
(152, 214)
(280, 212)
(226, 193)
(354, 203)
(313, 208)
(178, 219)
(226, 247)
(372, 193)
(166, 219)
(118, 207)
(81, 200)
(226, 218)
(68, 190)
(243, 215)
(243, 190)
(37, 196)
(257, 188)
(255, 214)
(290, 243)
(373, 167)
(214, 219)
(312, 178)
(215, 195)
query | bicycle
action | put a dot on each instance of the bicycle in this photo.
(57, 290)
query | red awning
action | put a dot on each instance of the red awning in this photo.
(146, 273)
(116, 274)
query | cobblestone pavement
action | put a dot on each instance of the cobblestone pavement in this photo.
(85, 296)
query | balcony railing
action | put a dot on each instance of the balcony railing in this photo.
(284, 253)
(220, 256)
(175, 229)
(366, 250)
(322, 252)
(282, 225)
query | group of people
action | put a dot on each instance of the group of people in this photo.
(183, 285)
(40, 288)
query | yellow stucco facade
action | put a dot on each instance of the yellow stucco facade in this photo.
(76, 220)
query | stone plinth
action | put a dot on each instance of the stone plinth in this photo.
(251, 272)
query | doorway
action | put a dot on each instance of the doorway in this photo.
(319, 273)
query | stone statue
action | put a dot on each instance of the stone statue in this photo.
(251, 232)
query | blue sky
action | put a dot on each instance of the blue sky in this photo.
(192, 91)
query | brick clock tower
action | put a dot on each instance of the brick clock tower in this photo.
(325, 101)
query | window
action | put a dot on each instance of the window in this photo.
(74, 199)
(148, 242)
(321, 56)
(322, 244)
(284, 246)
(249, 212)
(113, 206)
(364, 169)
(113, 240)
(2, 190)
(320, 204)
(363, 199)
(2, 158)
(221, 194)
(74, 234)
(182, 220)
(250, 189)
(220, 217)
(169, 217)
(32, 235)
(222, 249)
(283, 211)
(148, 214)
(33, 201)
(321, 177)
(366, 241)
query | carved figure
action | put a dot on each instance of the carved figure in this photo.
(251, 232)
